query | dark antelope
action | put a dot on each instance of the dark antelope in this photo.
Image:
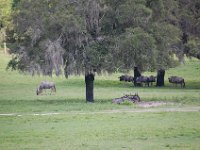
(126, 78)
(146, 80)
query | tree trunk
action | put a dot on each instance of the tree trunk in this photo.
(66, 72)
(160, 77)
(136, 74)
(89, 82)
(5, 47)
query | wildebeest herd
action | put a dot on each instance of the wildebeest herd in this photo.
(149, 80)
(139, 80)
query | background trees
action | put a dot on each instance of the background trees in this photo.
(5, 21)
(87, 36)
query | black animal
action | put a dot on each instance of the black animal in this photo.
(142, 79)
(126, 78)
(146, 80)
(152, 79)
(177, 80)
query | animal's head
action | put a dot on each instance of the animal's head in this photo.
(120, 78)
(153, 77)
(38, 91)
(137, 97)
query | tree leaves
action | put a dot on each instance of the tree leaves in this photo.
(103, 35)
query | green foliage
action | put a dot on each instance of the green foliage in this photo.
(194, 47)
(5, 13)
(98, 35)
(133, 14)
(5, 19)
(13, 64)
(166, 36)
(157, 8)
(137, 49)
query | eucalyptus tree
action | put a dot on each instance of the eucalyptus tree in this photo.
(145, 33)
(83, 37)
(163, 26)
(126, 21)
(184, 15)
(51, 35)
(189, 22)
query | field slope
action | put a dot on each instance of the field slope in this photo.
(64, 121)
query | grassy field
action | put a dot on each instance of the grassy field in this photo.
(145, 131)
(76, 126)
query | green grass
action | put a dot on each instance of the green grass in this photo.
(117, 131)
(145, 131)
(17, 91)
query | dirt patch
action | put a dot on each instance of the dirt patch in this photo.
(153, 104)
(137, 110)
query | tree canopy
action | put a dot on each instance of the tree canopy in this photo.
(81, 36)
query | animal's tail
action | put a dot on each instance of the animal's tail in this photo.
(37, 91)
(54, 88)
(183, 83)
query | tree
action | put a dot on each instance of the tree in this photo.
(165, 30)
(55, 34)
(88, 36)
(137, 48)
(5, 21)
(189, 23)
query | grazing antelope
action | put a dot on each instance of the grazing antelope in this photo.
(177, 80)
(45, 85)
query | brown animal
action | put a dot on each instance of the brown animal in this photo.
(45, 85)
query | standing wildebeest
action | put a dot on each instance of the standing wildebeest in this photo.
(146, 80)
(142, 79)
(45, 85)
(177, 80)
(152, 79)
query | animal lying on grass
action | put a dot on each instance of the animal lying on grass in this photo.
(45, 85)
(131, 98)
